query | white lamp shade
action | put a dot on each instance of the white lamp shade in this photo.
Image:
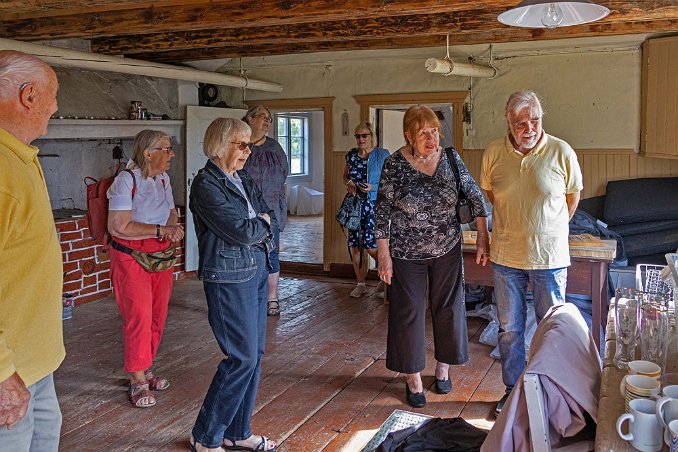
(529, 13)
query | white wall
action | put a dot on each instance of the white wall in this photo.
(590, 87)
(391, 128)
(106, 95)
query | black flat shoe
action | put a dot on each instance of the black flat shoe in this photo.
(416, 400)
(443, 386)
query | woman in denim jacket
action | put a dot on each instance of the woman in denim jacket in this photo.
(233, 225)
(361, 175)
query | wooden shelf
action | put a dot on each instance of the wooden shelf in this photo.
(108, 128)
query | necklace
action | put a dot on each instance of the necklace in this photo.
(414, 154)
(259, 141)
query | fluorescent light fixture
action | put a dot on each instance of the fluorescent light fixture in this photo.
(552, 14)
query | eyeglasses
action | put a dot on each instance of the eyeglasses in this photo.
(242, 145)
(264, 117)
(166, 150)
(362, 135)
(24, 86)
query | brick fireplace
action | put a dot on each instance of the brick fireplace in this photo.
(86, 265)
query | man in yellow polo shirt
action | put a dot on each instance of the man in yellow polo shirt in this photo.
(533, 181)
(31, 339)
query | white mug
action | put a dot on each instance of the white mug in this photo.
(640, 367)
(673, 436)
(667, 409)
(645, 433)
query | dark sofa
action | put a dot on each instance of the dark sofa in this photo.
(644, 212)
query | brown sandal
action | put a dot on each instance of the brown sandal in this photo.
(140, 395)
(156, 383)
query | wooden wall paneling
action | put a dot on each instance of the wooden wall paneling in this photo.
(337, 245)
(659, 112)
(671, 93)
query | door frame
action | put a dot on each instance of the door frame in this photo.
(455, 98)
(316, 103)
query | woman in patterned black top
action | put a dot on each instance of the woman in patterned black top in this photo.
(361, 175)
(419, 244)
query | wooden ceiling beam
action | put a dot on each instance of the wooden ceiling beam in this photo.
(91, 23)
(467, 38)
(347, 30)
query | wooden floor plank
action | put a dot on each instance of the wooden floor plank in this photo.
(324, 377)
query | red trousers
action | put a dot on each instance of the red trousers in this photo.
(142, 298)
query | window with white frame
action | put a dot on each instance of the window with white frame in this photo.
(292, 133)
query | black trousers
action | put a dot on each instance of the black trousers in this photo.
(406, 343)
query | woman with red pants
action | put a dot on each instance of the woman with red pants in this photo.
(142, 217)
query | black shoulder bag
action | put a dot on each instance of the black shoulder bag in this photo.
(465, 212)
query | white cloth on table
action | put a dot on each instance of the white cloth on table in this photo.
(305, 201)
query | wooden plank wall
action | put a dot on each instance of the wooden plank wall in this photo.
(600, 166)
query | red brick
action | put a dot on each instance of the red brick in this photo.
(105, 284)
(72, 287)
(84, 243)
(93, 297)
(70, 236)
(66, 226)
(65, 246)
(82, 224)
(90, 289)
(90, 280)
(70, 266)
(81, 254)
(88, 266)
(72, 276)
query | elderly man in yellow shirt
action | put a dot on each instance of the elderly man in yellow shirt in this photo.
(533, 181)
(31, 339)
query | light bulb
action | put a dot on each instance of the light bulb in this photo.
(553, 15)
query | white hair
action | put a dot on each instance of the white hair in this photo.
(17, 68)
(521, 100)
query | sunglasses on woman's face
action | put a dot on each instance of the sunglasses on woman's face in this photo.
(242, 145)
(361, 135)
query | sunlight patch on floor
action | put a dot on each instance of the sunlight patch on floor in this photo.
(358, 440)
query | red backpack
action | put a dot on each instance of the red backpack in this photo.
(97, 205)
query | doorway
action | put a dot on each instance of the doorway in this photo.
(300, 133)
(304, 129)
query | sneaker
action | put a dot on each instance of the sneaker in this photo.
(501, 403)
(359, 290)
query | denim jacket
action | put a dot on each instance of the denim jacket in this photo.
(375, 161)
(226, 235)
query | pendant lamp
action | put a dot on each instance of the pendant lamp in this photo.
(552, 14)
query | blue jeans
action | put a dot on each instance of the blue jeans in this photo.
(510, 288)
(39, 429)
(237, 315)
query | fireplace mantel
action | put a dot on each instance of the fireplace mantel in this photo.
(104, 128)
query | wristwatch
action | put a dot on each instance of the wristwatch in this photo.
(157, 230)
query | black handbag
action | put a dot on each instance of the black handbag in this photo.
(465, 212)
(348, 215)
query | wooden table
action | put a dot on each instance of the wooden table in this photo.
(586, 276)
(610, 402)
